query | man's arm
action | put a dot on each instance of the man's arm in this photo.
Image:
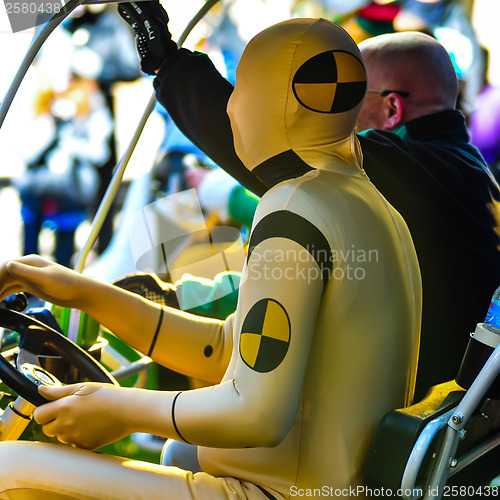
(190, 88)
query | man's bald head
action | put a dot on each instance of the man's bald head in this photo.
(410, 62)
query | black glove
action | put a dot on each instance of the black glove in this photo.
(154, 41)
(151, 288)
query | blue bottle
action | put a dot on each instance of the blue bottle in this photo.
(492, 321)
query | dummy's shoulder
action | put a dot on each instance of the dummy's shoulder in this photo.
(301, 196)
(281, 195)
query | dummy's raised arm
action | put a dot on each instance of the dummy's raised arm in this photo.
(190, 88)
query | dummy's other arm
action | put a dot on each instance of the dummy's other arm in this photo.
(134, 319)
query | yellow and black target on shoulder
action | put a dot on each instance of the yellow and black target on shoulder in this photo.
(330, 82)
(265, 335)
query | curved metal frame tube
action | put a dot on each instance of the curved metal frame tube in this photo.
(455, 421)
(32, 53)
(420, 448)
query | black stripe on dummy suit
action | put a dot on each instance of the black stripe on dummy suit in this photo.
(285, 224)
(279, 168)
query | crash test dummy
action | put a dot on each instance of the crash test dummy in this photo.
(324, 338)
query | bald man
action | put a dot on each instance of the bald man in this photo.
(417, 154)
(418, 71)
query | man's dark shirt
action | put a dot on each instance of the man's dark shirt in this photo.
(441, 186)
(426, 169)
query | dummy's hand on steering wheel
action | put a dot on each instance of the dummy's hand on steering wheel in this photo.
(40, 277)
(87, 415)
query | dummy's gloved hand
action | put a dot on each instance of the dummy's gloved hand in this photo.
(154, 41)
(150, 287)
(88, 415)
(42, 278)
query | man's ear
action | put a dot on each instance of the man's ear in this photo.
(394, 111)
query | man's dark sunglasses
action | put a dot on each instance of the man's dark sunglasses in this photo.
(384, 93)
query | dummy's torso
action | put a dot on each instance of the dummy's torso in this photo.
(363, 337)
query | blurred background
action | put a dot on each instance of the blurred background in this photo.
(81, 100)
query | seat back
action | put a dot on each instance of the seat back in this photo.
(409, 443)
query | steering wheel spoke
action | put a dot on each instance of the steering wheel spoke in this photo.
(36, 337)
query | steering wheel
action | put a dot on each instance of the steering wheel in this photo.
(35, 336)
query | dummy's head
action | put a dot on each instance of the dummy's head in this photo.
(299, 87)
(409, 75)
